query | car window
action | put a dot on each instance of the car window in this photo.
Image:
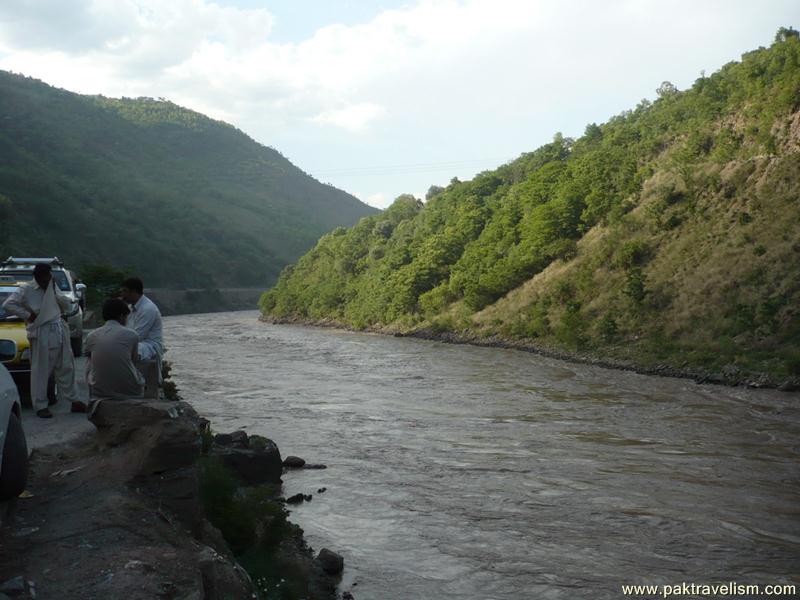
(5, 316)
(61, 278)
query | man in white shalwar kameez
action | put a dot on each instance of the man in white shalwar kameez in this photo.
(145, 320)
(40, 304)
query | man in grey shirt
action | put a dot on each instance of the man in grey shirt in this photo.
(112, 350)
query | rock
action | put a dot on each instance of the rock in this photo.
(314, 466)
(237, 439)
(296, 499)
(347, 596)
(211, 536)
(13, 587)
(308, 497)
(321, 490)
(223, 439)
(117, 420)
(731, 372)
(257, 442)
(174, 444)
(223, 579)
(331, 563)
(252, 467)
(790, 385)
(293, 462)
(140, 566)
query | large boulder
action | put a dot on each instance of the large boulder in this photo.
(256, 464)
(331, 563)
(117, 420)
(155, 446)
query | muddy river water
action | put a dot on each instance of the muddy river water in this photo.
(476, 473)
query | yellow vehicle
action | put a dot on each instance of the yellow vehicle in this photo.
(15, 351)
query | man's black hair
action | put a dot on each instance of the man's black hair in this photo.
(41, 268)
(134, 284)
(114, 308)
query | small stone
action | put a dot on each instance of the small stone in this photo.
(13, 586)
(296, 499)
(331, 563)
(293, 462)
(321, 490)
(314, 466)
(307, 497)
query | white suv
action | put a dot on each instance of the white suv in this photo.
(21, 269)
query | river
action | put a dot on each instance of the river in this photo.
(460, 472)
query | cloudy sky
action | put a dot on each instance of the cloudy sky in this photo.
(382, 98)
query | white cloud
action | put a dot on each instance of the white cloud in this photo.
(352, 118)
(378, 200)
(434, 81)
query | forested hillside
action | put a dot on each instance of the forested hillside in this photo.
(668, 235)
(152, 187)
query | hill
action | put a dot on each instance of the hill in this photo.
(667, 237)
(158, 189)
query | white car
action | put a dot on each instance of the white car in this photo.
(21, 269)
(13, 447)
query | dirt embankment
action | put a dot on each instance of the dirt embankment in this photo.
(118, 514)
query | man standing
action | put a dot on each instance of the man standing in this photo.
(145, 320)
(112, 351)
(40, 304)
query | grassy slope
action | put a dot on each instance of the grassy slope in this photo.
(669, 234)
(170, 193)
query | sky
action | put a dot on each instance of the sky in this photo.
(385, 98)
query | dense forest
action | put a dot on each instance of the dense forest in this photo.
(147, 186)
(669, 235)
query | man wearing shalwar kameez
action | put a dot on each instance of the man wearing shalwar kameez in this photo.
(40, 304)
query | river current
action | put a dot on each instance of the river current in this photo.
(459, 472)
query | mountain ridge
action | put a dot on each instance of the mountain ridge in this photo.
(666, 236)
(122, 181)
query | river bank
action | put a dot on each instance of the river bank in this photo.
(124, 512)
(728, 376)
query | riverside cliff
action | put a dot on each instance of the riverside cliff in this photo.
(664, 240)
(127, 513)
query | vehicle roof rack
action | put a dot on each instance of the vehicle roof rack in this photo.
(17, 261)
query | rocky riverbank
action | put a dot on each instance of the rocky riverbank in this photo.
(130, 512)
(729, 375)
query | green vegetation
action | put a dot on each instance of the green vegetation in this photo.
(254, 524)
(167, 193)
(669, 234)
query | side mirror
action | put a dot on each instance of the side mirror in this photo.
(80, 287)
(8, 350)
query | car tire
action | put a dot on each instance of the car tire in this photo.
(14, 471)
(77, 345)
